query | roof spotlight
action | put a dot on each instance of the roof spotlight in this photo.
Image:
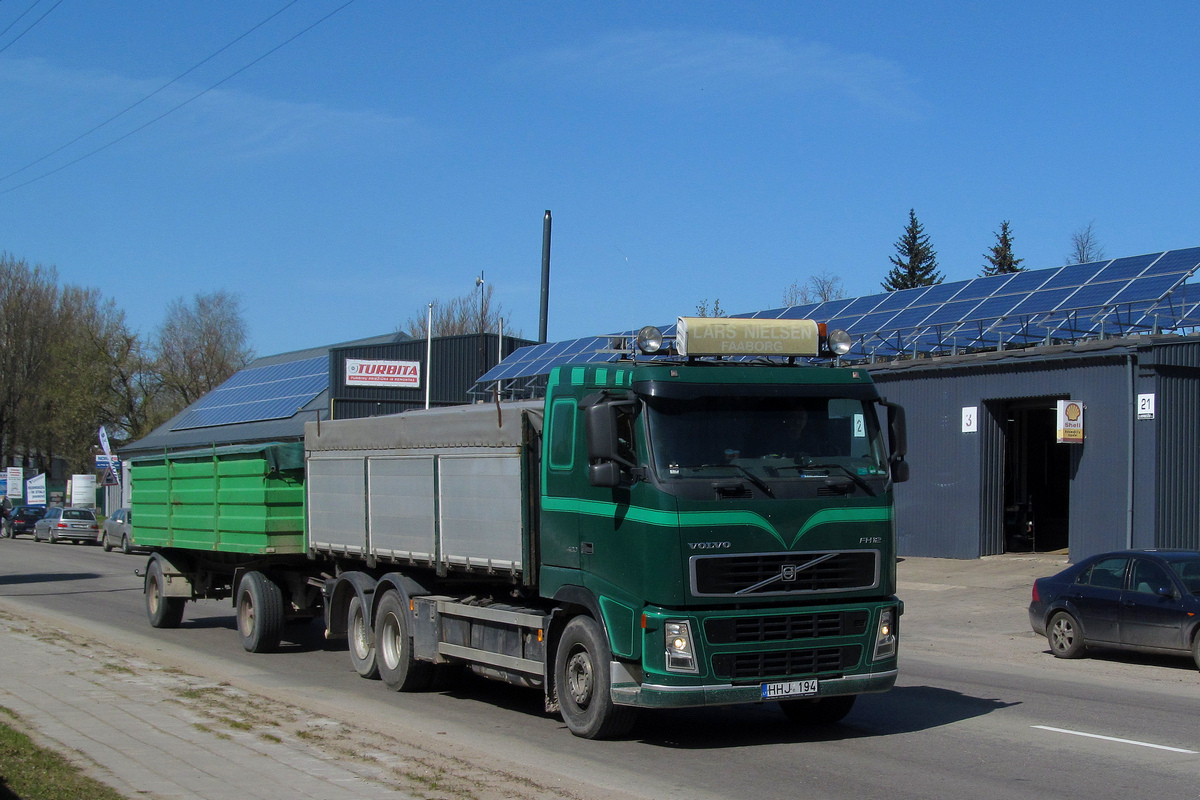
(649, 339)
(839, 342)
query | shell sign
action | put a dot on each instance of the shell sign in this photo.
(1070, 422)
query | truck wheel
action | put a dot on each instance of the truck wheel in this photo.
(259, 613)
(362, 640)
(164, 612)
(581, 679)
(393, 648)
(822, 711)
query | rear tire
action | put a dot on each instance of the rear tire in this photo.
(821, 711)
(259, 613)
(1065, 636)
(398, 668)
(1196, 648)
(582, 666)
(163, 611)
(362, 639)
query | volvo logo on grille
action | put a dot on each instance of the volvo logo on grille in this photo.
(787, 573)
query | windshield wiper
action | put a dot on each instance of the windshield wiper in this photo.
(757, 481)
(866, 487)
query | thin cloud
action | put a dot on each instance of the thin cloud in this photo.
(668, 62)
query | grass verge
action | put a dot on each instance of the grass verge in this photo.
(31, 772)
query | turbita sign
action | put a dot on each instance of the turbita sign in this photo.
(390, 374)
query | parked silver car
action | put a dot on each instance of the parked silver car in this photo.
(118, 531)
(73, 524)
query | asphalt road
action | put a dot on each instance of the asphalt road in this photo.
(987, 716)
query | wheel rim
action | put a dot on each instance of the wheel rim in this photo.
(360, 638)
(580, 678)
(246, 615)
(1063, 634)
(154, 597)
(391, 644)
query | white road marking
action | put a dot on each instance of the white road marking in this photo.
(1113, 739)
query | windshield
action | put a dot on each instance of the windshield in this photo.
(769, 437)
(1188, 571)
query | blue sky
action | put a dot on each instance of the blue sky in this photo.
(687, 150)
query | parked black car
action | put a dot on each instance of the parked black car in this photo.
(1145, 600)
(23, 519)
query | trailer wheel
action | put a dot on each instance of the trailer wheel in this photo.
(362, 640)
(821, 711)
(259, 613)
(581, 678)
(393, 648)
(164, 612)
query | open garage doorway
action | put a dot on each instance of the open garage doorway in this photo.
(1037, 479)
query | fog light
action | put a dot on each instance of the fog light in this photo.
(885, 639)
(680, 655)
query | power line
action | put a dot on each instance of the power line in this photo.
(129, 108)
(175, 108)
(27, 30)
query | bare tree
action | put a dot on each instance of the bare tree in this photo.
(1085, 247)
(819, 288)
(702, 309)
(29, 298)
(199, 345)
(476, 312)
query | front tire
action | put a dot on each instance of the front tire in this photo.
(1065, 636)
(821, 711)
(105, 543)
(362, 639)
(163, 611)
(582, 679)
(398, 667)
(259, 613)
(125, 547)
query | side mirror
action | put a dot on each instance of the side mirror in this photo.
(897, 429)
(899, 471)
(605, 474)
(600, 421)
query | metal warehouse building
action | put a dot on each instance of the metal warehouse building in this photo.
(989, 476)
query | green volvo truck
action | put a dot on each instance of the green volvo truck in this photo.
(681, 527)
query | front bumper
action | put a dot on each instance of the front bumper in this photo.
(627, 691)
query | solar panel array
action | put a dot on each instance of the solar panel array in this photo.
(276, 391)
(1079, 301)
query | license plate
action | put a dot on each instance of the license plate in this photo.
(776, 691)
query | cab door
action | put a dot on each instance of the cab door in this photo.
(563, 461)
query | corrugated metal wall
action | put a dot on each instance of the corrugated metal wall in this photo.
(457, 362)
(941, 511)
(1177, 460)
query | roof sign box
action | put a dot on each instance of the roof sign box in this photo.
(720, 336)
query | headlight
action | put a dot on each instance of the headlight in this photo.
(649, 339)
(885, 639)
(839, 342)
(681, 657)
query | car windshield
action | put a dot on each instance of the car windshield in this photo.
(771, 437)
(1188, 570)
(77, 513)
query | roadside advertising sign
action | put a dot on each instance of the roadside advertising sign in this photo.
(390, 374)
(16, 482)
(1069, 426)
(35, 490)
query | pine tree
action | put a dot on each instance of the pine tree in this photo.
(999, 257)
(915, 262)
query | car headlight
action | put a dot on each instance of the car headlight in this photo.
(885, 638)
(681, 657)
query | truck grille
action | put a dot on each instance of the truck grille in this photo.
(733, 630)
(761, 574)
(785, 664)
